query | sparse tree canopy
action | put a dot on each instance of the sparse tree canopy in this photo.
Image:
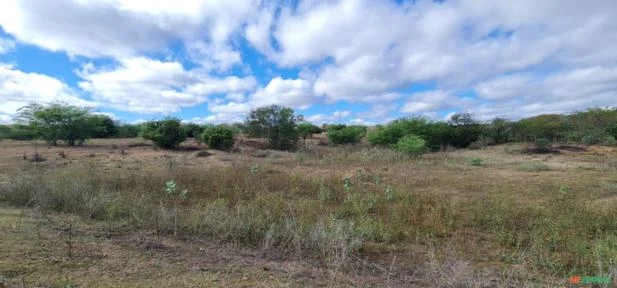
(167, 133)
(276, 123)
(61, 122)
(306, 130)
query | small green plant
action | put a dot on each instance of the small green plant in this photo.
(389, 193)
(254, 169)
(326, 194)
(378, 180)
(176, 197)
(347, 184)
(564, 192)
(476, 161)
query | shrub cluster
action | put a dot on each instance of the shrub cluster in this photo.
(460, 132)
(342, 134)
(166, 133)
(410, 144)
(218, 137)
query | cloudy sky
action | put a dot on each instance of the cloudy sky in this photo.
(332, 61)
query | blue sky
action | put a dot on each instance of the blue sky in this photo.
(349, 61)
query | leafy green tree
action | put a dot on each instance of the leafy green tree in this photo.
(499, 130)
(306, 130)
(612, 130)
(276, 123)
(192, 130)
(464, 130)
(589, 126)
(436, 134)
(341, 134)
(5, 131)
(411, 145)
(17, 132)
(218, 137)
(389, 134)
(549, 126)
(60, 121)
(238, 127)
(128, 130)
(167, 133)
(105, 127)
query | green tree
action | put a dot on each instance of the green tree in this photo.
(167, 133)
(60, 121)
(128, 130)
(17, 132)
(218, 137)
(238, 127)
(105, 126)
(306, 130)
(436, 134)
(549, 126)
(464, 130)
(276, 123)
(192, 130)
(612, 130)
(499, 130)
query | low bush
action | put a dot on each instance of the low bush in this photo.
(341, 134)
(609, 141)
(543, 145)
(411, 145)
(218, 137)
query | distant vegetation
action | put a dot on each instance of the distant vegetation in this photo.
(281, 127)
(343, 134)
(371, 195)
(62, 122)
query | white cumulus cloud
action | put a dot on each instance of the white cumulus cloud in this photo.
(144, 85)
(297, 93)
(18, 89)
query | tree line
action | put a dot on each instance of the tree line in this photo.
(284, 130)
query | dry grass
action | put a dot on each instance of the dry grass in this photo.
(437, 220)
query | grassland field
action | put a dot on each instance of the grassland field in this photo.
(325, 216)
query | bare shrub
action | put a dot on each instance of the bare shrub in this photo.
(37, 157)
